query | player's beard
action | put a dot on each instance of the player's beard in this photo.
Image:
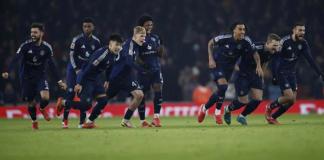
(35, 39)
(299, 37)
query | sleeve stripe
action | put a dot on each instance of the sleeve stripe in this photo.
(100, 58)
(217, 38)
(49, 46)
(131, 46)
(72, 59)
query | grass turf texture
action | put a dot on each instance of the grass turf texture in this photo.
(301, 137)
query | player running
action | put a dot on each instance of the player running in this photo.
(82, 47)
(293, 47)
(121, 77)
(249, 81)
(34, 55)
(149, 55)
(223, 52)
(88, 82)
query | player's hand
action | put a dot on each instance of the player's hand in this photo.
(212, 64)
(62, 85)
(5, 75)
(77, 71)
(77, 89)
(274, 81)
(259, 71)
(106, 85)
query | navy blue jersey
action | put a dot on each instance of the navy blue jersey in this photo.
(125, 62)
(291, 51)
(149, 52)
(227, 50)
(248, 64)
(100, 61)
(82, 48)
(34, 59)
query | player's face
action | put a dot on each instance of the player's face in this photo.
(239, 31)
(299, 32)
(273, 46)
(36, 34)
(87, 28)
(148, 25)
(115, 47)
(139, 38)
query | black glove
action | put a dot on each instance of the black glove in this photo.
(274, 81)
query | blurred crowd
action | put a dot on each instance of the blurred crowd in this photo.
(185, 27)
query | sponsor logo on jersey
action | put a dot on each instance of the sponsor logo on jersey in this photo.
(149, 47)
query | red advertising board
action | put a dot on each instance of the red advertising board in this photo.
(169, 109)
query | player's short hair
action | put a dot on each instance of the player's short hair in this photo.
(139, 30)
(272, 37)
(38, 25)
(233, 26)
(88, 20)
(298, 24)
(115, 37)
(144, 18)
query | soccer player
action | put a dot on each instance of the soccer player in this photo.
(82, 47)
(150, 54)
(223, 52)
(34, 56)
(88, 82)
(248, 80)
(293, 47)
(122, 78)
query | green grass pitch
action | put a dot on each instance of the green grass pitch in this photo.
(300, 137)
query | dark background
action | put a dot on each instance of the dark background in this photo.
(184, 25)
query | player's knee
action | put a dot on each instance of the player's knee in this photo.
(45, 96)
(243, 100)
(139, 95)
(290, 98)
(157, 87)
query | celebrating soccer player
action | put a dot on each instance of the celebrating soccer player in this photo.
(34, 56)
